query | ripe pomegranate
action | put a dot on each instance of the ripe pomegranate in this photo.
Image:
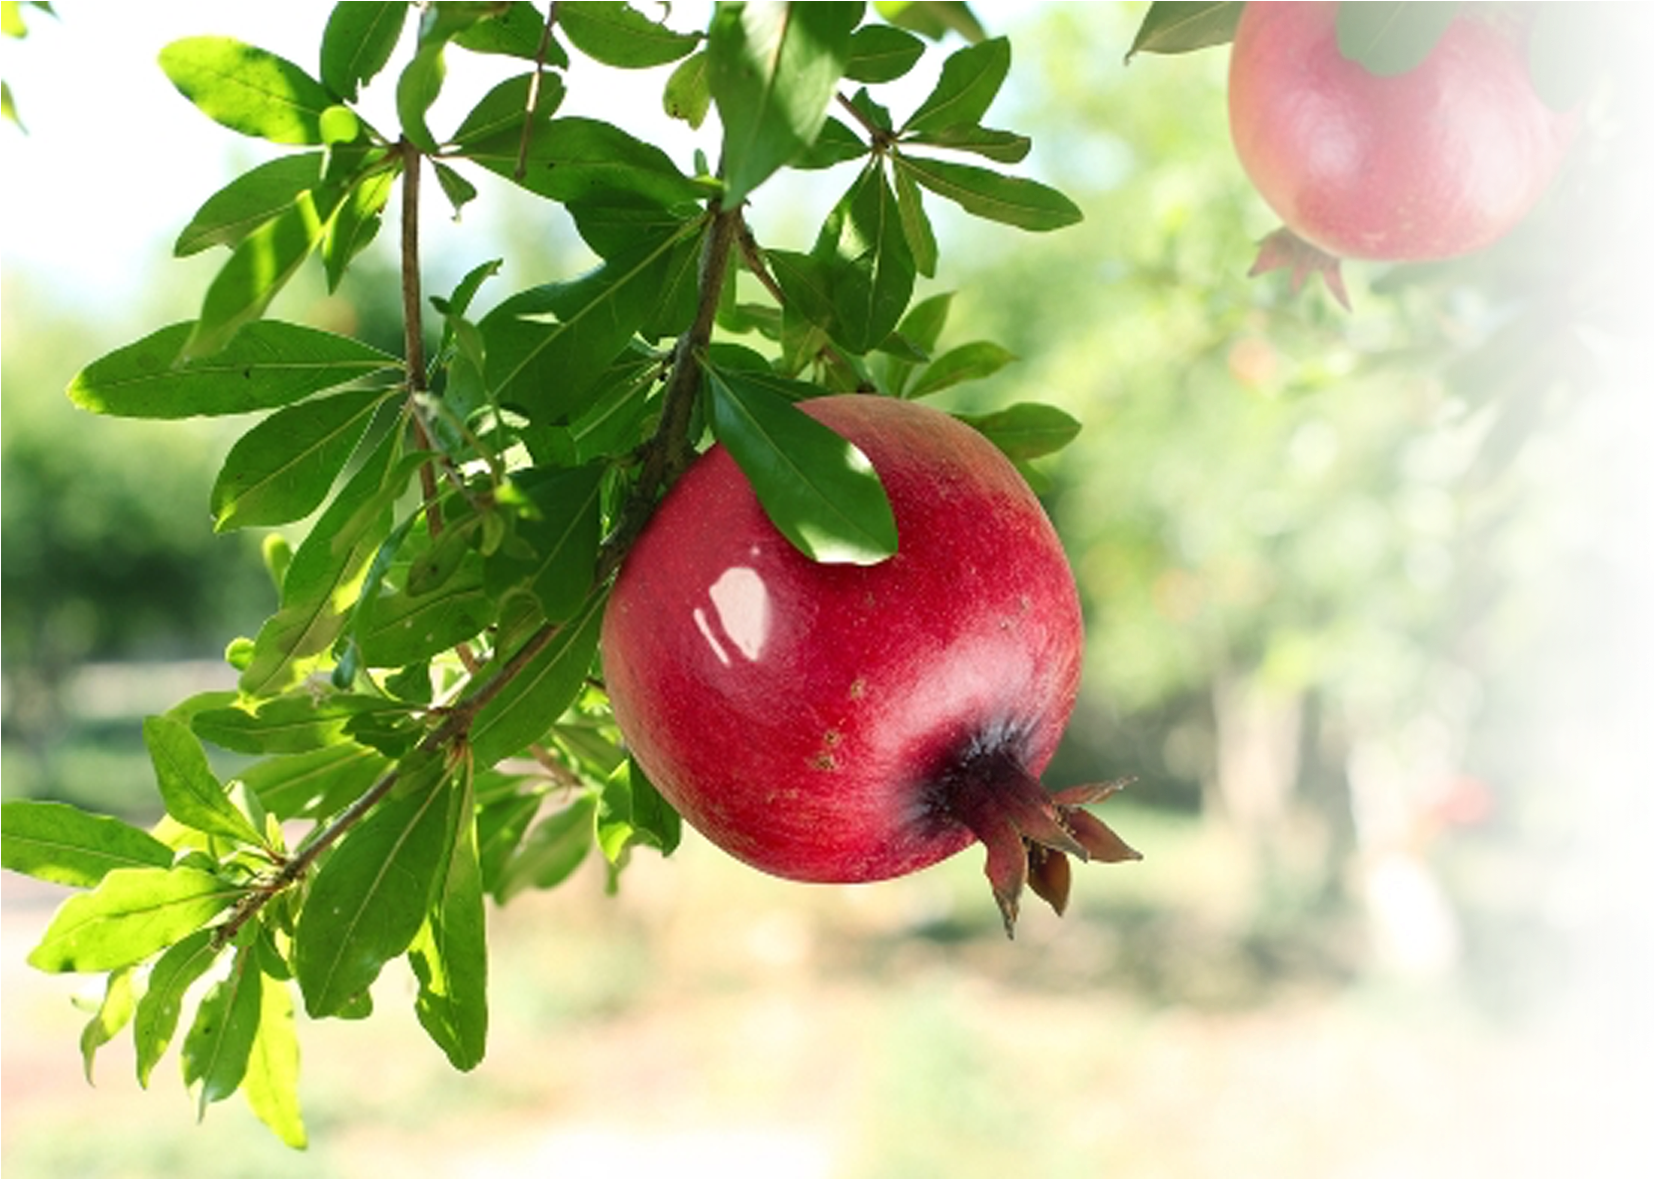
(843, 723)
(1431, 163)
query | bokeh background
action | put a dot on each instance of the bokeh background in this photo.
(1367, 613)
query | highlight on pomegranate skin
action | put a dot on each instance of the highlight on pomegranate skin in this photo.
(843, 723)
(1431, 163)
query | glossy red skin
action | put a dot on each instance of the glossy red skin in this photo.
(1429, 164)
(804, 734)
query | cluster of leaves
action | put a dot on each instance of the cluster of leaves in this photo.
(1582, 262)
(421, 725)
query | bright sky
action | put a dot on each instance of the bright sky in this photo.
(115, 159)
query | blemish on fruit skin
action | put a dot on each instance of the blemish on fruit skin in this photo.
(823, 761)
(858, 688)
(831, 738)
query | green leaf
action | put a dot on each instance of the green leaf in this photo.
(932, 18)
(248, 201)
(131, 914)
(189, 790)
(971, 78)
(688, 93)
(632, 811)
(546, 369)
(321, 782)
(560, 529)
(924, 321)
(271, 1083)
(282, 469)
(514, 30)
(1005, 147)
(502, 110)
(266, 365)
(615, 226)
(500, 828)
(968, 362)
(818, 489)
(417, 89)
(63, 844)
(220, 1040)
(870, 267)
(540, 692)
(1182, 28)
(1391, 38)
(1025, 431)
(357, 43)
(325, 573)
(1013, 200)
(156, 1017)
(113, 1014)
(369, 897)
(248, 89)
(881, 53)
(255, 273)
(299, 723)
(450, 954)
(1565, 50)
(916, 229)
(579, 159)
(619, 35)
(836, 144)
(773, 70)
(356, 220)
(552, 851)
(397, 626)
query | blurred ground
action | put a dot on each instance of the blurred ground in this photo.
(711, 1021)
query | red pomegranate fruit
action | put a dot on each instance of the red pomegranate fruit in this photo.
(842, 723)
(1431, 163)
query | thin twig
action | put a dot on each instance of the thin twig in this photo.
(534, 91)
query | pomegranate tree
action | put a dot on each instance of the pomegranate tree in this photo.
(1428, 163)
(843, 723)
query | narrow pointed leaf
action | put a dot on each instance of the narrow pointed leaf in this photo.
(1025, 431)
(1565, 50)
(562, 537)
(417, 89)
(688, 93)
(190, 791)
(357, 43)
(773, 69)
(63, 844)
(1391, 38)
(283, 468)
(220, 1040)
(450, 955)
(552, 851)
(257, 270)
(314, 784)
(131, 914)
(500, 829)
(968, 362)
(267, 365)
(271, 1081)
(296, 723)
(818, 489)
(248, 201)
(397, 627)
(971, 78)
(619, 35)
(112, 1015)
(580, 159)
(1013, 200)
(1005, 147)
(369, 897)
(916, 229)
(356, 221)
(539, 694)
(502, 110)
(881, 53)
(870, 267)
(248, 89)
(156, 1017)
(1183, 27)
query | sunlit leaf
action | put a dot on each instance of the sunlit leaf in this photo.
(156, 1017)
(818, 489)
(1391, 38)
(552, 851)
(688, 93)
(502, 110)
(397, 626)
(358, 42)
(248, 89)
(773, 70)
(283, 468)
(368, 898)
(220, 1040)
(320, 782)
(248, 201)
(189, 789)
(514, 30)
(131, 914)
(631, 811)
(968, 362)
(271, 1083)
(932, 18)
(64, 844)
(1182, 27)
(257, 270)
(971, 78)
(267, 365)
(619, 35)
(501, 825)
(449, 955)
(580, 159)
(1013, 200)
(881, 53)
(112, 1015)
(356, 220)
(298, 723)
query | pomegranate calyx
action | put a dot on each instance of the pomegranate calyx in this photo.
(1285, 250)
(1029, 833)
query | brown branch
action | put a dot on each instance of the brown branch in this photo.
(534, 91)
